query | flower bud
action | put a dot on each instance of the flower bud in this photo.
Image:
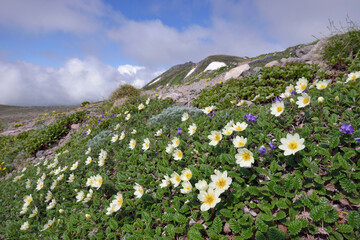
(61, 211)
(337, 98)
(292, 100)
(320, 100)
(88, 216)
(76, 190)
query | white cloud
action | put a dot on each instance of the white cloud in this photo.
(129, 69)
(76, 16)
(27, 84)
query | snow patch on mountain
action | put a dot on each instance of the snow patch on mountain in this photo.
(214, 65)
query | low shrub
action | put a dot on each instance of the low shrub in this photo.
(125, 90)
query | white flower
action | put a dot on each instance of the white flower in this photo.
(238, 127)
(177, 154)
(141, 107)
(255, 98)
(209, 199)
(88, 160)
(292, 144)
(201, 185)
(244, 158)
(186, 174)
(165, 182)
(277, 108)
(71, 178)
(132, 144)
(169, 149)
(80, 196)
(147, 101)
(285, 95)
(52, 204)
(289, 89)
(122, 135)
(187, 187)
(98, 180)
(116, 204)
(128, 117)
(175, 142)
(158, 133)
(88, 151)
(192, 129)
(38, 171)
(320, 100)
(146, 144)
(40, 184)
(215, 138)
(102, 157)
(27, 200)
(239, 142)
(133, 132)
(185, 117)
(48, 224)
(301, 85)
(49, 196)
(89, 196)
(322, 84)
(74, 166)
(220, 181)
(24, 210)
(353, 76)
(175, 179)
(227, 131)
(28, 183)
(139, 190)
(43, 177)
(115, 138)
(17, 178)
(90, 181)
(117, 127)
(25, 226)
(34, 213)
(208, 110)
(88, 132)
(303, 101)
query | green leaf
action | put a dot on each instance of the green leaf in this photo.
(113, 224)
(235, 226)
(331, 216)
(170, 229)
(275, 233)
(279, 190)
(323, 151)
(353, 219)
(334, 142)
(194, 234)
(297, 183)
(280, 215)
(333, 118)
(344, 228)
(317, 213)
(314, 167)
(226, 213)
(260, 236)
(261, 225)
(128, 228)
(295, 227)
(217, 224)
(178, 217)
(348, 185)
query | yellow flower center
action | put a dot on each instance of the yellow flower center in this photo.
(291, 89)
(221, 183)
(188, 175)
(141, 191)
(209, 199)
(279, 108)
(302, 86)
(178, 179)
(293, 145)
(188, 188)
(241, 144)
(353, 76)
(246, 156)
(306, 100)
(217, 138)
(238, 128)
(147, 145)
(119, 201)
(322, 86)
(179, 154)
(177, 142)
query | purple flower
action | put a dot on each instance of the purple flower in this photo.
(251, 118)
(346, 128)
(227, 114)
(93, 125)
(84, 134)
(112, 114)
(99, 120)
(278, 99)
(357, 139)
(179, 132)
(272, 145)
(211, 114)
(103, 116)
(304, 91)
(262, 149)
(292, 92)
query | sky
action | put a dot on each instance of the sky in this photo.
(64, 52)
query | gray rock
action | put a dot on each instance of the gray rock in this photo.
(237, 71)
(75, 126)
(257, 69)
(272, 63)
(173, 95)
(291, 60)
(315, 53)
(303, 51)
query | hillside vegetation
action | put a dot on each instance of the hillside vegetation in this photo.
(282, 168)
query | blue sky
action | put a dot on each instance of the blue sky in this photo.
(62, 52)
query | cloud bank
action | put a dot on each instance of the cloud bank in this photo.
(78, 80)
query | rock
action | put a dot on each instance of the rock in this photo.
(291, 60)
(75, 126)
(315, 52)
(173, 95)
(272, 63)
(237, 71)
(257, 69)
(303, 51)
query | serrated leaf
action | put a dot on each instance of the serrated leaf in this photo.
(260, 236)
(353, 218)
(348, 185)
(334, 142)
(178, 217)
(323, 151)
(170, 229)
(194, 234)
(297, 183)
(167, 217)
(280, 215)
(217, 224)
(128, 228)
(265, 217)
(227, 158)
(113, 224)
(309, 174)
(275, 233)
(314, 167)
(226, 213)
(344, 228)
(235, 226)
(331, 216)
(317, 213)
(261, 225)
(295, 227)
(279, 190)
